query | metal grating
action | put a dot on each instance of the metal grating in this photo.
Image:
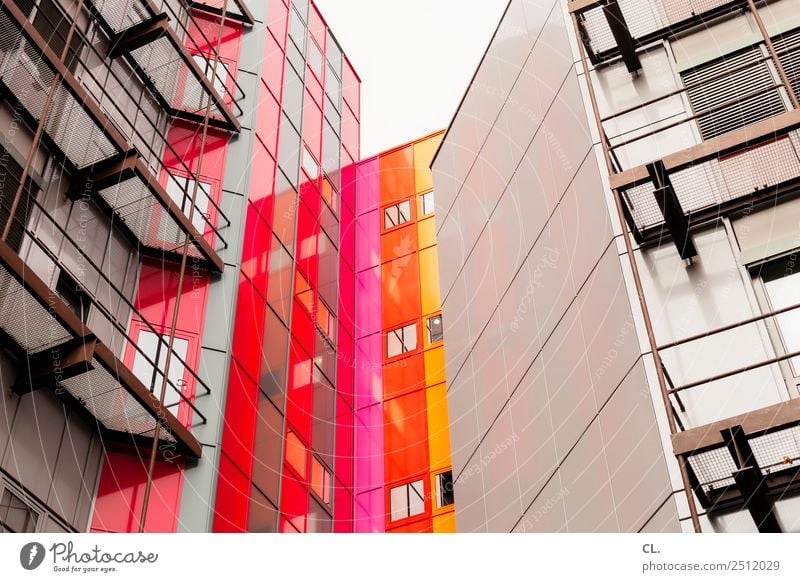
(111, 404)
(645, 18)
(121, 14)
(231, 8)
(133, 202)
(721, 180)
(167, 67)
(774, 452)
(713, 469)
(25, 319)
(738, 98)
(28, 77)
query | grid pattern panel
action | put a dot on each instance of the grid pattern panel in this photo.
(111, 404)
(138, 208)
(26, 320)
(721, 180)
(644, 17)
(29, 78)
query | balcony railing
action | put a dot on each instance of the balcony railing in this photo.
(730, 138)
(85, 356)
(171, 59)
(97, 155)
(233, 9)
(611, 28)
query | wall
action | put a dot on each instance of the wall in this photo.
(552, 421)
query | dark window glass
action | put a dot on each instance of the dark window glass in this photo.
(435, 331)
(444, 489)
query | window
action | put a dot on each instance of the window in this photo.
(16, 516)
(73, 295)
(397, 214)
(434, 325)
(296, 454)
(310, 165)
(444, 489)
(297, 30)
(10, 174)
(326, 320)
(220, 75)
(406, 500)
(303, 292)
(315, 59)
(320, 480)
(782, 286)
(181, 190)
(401, 340)
(329, 195)
(427, 204)
(151, 347)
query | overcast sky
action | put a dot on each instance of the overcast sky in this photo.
(414, 57)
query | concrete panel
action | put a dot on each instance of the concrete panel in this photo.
(535, 447)
(546, 514)
(633, 451)
(590, 503)
(471, 515)
(569, 385)
(665, 519)
(500, 481)
(605, 314)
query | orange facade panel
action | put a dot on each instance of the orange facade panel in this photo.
(398, 242)
(397, 175)
(405, 433)
(403, 375)
(400, 291)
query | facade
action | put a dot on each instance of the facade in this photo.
(175, 291)
(403, 467)
(617, 225)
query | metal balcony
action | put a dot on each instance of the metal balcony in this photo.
(96, 155)
(745, 461)
(618, 28)
(235, 9)
(154, 45)
(64, 356)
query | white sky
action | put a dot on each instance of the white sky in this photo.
(415, 59)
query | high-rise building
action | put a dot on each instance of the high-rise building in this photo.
(175, 289)
(617, 225)
(403, 468)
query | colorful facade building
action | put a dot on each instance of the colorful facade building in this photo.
(403, 468)
(176, 291)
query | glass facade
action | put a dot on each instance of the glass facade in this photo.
(402, 436)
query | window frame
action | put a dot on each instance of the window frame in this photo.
(407, 487)
(403, 352)
(423, 204)
(396, 206)
(435, 492)
(428, 338)
(762, 273)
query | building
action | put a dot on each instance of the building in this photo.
(617, 225)
(403, 467)
(175, 290)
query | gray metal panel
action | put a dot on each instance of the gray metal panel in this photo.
(590, 505)
(35, 442)
(67, 484)
(639, 478)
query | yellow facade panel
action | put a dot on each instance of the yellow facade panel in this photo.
(438, 428)
(429, 273)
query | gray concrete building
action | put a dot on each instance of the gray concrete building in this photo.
(618, 232)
